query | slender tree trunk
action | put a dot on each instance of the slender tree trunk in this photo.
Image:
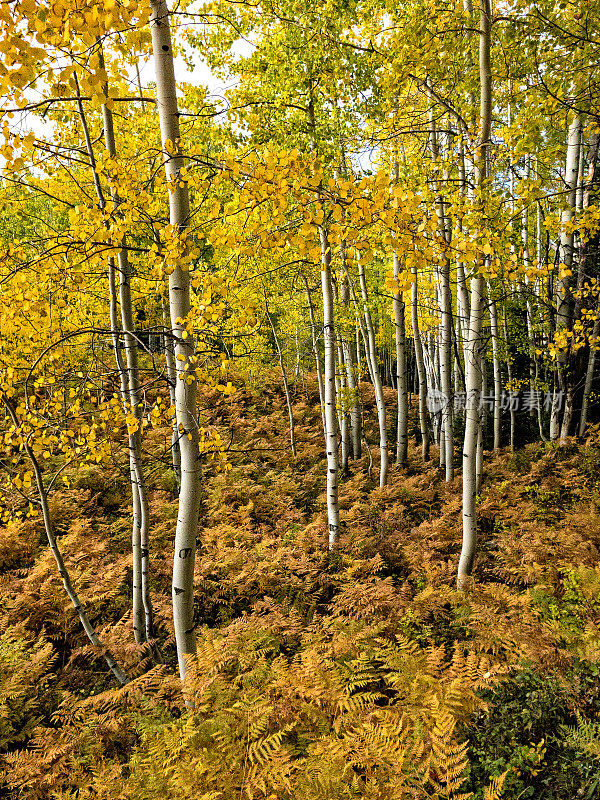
(496, 367)
(333, 510)
(446, 369)
(462, 292)
(472, 426)
(422, 375)
(297, 343)
(401, 372)
(128, 381)
(526, 292)
(133, 385)
(437, 368)
(172, 383)
(537, 289)
(286, 388)
(315, 344)
(348, 361)
(445, 303)
(179, 305)
(589, 375)
(565, 301)
(474, 345)
(87, 626)
(482, 426)
(137, 603)
(375, 374)
(351, 378)
(341, 395)
(331, 447)
(510, 383)
(343, 415)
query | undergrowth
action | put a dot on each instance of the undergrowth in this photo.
(362, 674)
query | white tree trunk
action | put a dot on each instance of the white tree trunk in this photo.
(179, 306)
(333, 510)
(401, 372)
(445, 303)
(585, 201)
(565, 301)
(482, 426)
(510, 383)
(496, 368)
(375, 374)
(342, 403)
(315, 344)
(286, 388)
(351, 380)
(421, 372)
(472, 427)
(142, 616)
(474, 345)
(172, 383)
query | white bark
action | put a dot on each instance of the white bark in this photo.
(347, 363)
(315, 344)
(445, 303)
(401, 372)
(510, 382)
(137, 603)
(565, 301)
(351, 380)
(333, 510)
(342, 404)
(496, 368)
(462, 292)
(473, 365)
(179, 305)
(375, 374)
(172, 383)
(482, 427)
(420, 360)
(472, 426)
(585, 201)
(128, 383)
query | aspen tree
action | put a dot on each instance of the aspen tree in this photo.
(564, 301)
(317, 355)
(445, 304)
(496, 366)
(133, 387)
(329, 390)
(129, 386)
(421, 372)
(349, 361)
(376, 376)
(342, 403)
(510, 374)
(401, 371)
(172, 383)
(179, 305)
(591, 363)
(333, 510)
(474, 343)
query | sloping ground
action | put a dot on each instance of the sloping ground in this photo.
(363, 673)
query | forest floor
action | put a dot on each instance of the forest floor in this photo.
(362, 673)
